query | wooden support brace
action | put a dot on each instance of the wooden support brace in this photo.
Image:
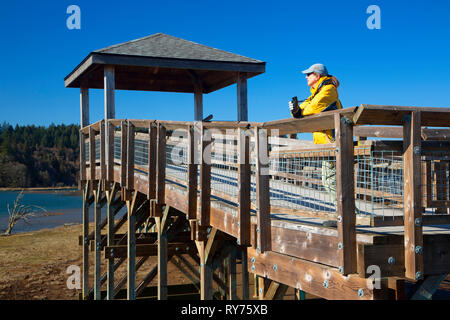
(345, 190)
(412, 196)
(97, 239)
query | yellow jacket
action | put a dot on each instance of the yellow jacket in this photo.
(316, 103)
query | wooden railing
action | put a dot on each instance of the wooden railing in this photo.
(252, 150)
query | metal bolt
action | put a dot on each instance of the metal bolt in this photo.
(418, 222)
(337, 149)
(187, 248)
(275, 267)
(418, 250)
(341, 270)
(253, 260)
(260, 290)
(416, 150)
(391, 260)
(111, 253)
(176, 249)
(253, 267)
(340, 246)
(257, 230)
(325, 283)
(419, 275)
(360, 293)
(238, 241)
(339, 218)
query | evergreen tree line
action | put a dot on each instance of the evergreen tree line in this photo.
(37, 156)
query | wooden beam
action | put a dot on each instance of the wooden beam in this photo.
(110, 151)
(162, 254)
(313, 277)
(85, 291)
(109, 88)
(198, 103)
(161, 170)
(345, 194)
(92, 153)
(82, 156)
(152, 160)
(131, 246)
(102, 151)
(205, 179)
(123, 153)
(84, 107)
(97, 239)
(130, 157)
(206, 273)
(412, 196)
(262, 191)
(192, 173)
(110, 242)
(244, 177)
(242, 109)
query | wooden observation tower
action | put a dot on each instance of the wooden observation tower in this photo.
(213, 197)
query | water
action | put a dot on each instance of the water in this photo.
(63, 207)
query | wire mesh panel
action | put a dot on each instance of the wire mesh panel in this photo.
(177, 156)
(435, 182)
(379, 182)
(304, 181)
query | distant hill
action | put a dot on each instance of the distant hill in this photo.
(32, 156)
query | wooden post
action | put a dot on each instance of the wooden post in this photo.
(162, 254)
(110, 149)
(412, 196)
(123, 154)
(110, 241)
(161, 169)
(206, 273)
(152, 161)
(131, 248)
(345, 199)
(82, 157)
(85, 291)
(92, 153)
(110, 106)
(198, 103)
(242, 110)
(205, 178)
(244, 177)
(130, 157)
(245, 275)
(192, 174)
(263, 230)
(84, 107)
(102, 151)
(97, 241)
(232, 283)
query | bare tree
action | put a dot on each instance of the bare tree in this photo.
(22, 212)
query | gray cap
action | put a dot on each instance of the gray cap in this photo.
(317, 68)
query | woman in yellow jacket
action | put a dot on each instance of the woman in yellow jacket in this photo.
(324, 97)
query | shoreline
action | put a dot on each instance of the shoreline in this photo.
(39, 188)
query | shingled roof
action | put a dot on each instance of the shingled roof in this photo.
(165, 46)
(161, 62)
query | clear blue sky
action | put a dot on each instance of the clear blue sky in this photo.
(406, 62)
